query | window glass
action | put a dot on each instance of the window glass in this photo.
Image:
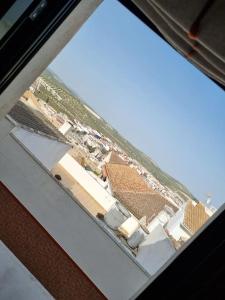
(13, 15)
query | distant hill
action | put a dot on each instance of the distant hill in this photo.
(52, 76)
(74, 107)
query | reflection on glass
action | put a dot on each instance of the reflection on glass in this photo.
(12, 15)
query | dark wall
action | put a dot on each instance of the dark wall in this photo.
(40, 253)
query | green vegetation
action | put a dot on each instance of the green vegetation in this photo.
(73, 107)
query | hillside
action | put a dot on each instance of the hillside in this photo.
(74, 107)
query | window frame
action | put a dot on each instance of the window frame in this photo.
(204, 246)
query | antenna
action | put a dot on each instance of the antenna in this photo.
(209, 198)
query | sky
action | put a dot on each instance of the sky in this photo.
(155, 98)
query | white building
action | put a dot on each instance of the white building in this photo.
(187, 221)
(155, 250)
(175, 228)
(100, 256)
(77, 174)
(65, 128)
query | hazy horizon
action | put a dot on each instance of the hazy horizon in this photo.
(75, 94)
(151, 95)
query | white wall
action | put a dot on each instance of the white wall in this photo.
(174, 226)
(95, 190)
(155, 251)
(64, 129)
(47, 151)
(180, 233)
(91, 186)
(16, 282)
(115, 272)
(161, 219)
(153, 224)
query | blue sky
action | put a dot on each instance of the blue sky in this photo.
(151, 95)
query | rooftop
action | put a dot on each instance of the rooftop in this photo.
(115, 159)
(141, 204)
(33, 119)
(133, 191)
(194, 217)
(124, 178)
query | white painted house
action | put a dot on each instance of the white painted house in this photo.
(155, 250)
(32, 153)
(107, 264)
(88, 183)
(65, 128)
(175, 228)
(188, 220)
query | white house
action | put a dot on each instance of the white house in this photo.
(106, 263)
(72, 173)
(187, 221)
(175, 228)
(65, 128)
(155, 250)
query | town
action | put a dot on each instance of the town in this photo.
(130, 202)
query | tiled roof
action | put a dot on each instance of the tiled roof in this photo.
(115, 159)
(141, 204)
(194, 217)
(28, 117)
(132, 190)
(124, 178)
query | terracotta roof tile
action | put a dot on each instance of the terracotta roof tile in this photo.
(194, 217)
(135, 194)
(124, 178)
(115, 159)
(147, 204)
